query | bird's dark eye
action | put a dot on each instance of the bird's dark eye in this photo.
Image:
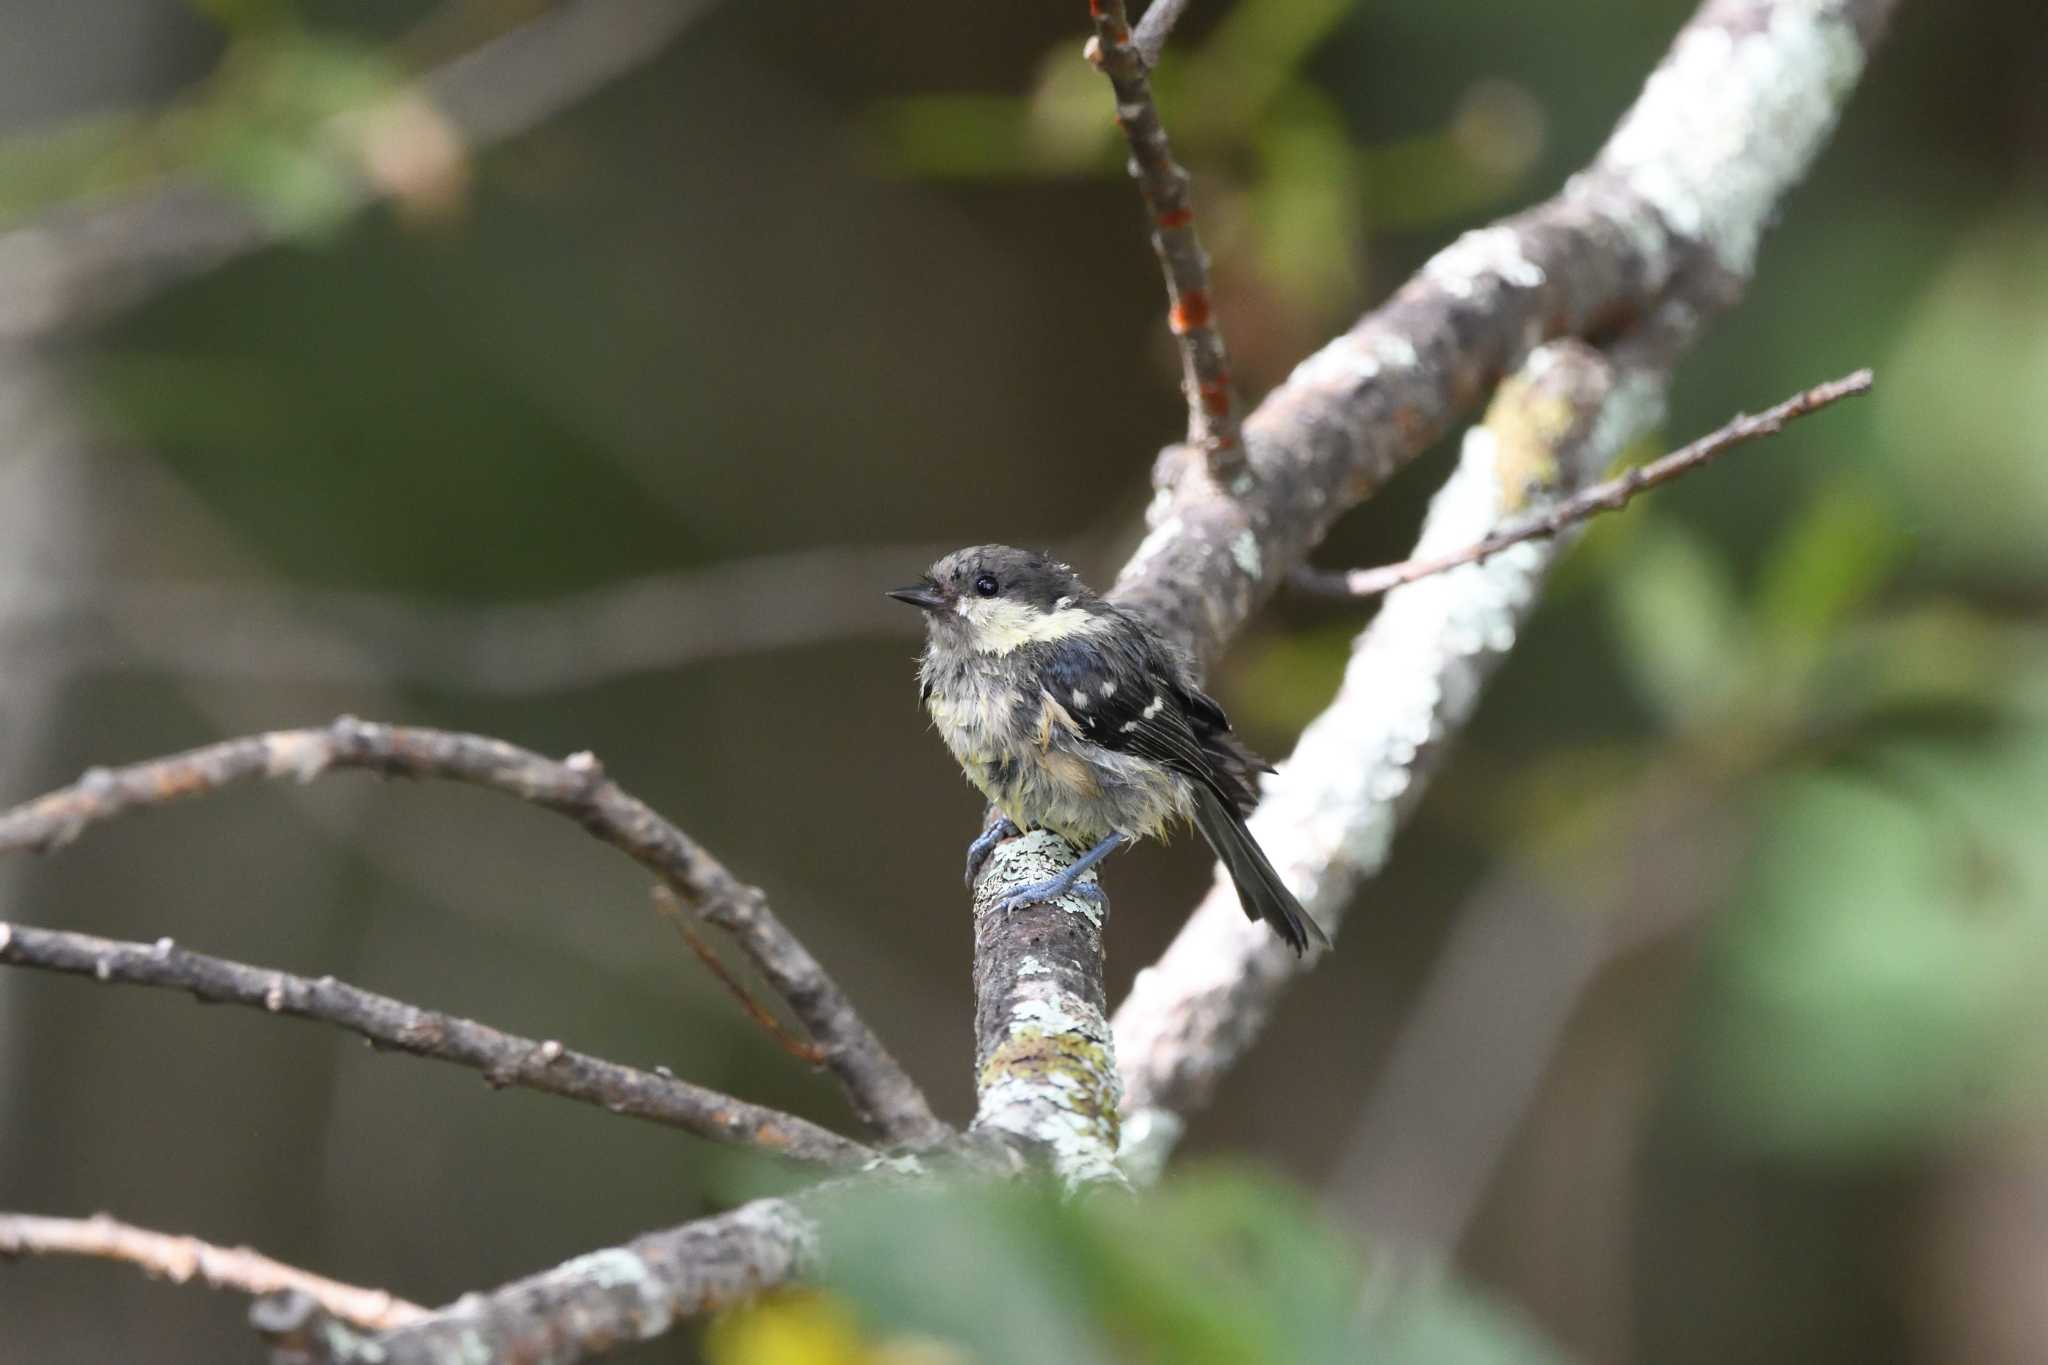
(986, 585)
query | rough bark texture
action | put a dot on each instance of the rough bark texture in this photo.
(1043, 1067)
(581, 1308)
(884, 1096)
(1329, 814)
(503, 1058)
(1214, 419)
(1678, 197)
(1670, 214)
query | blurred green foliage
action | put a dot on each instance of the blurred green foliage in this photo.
(1216, 1267)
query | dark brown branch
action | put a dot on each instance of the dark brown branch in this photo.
(178, 1259)
(1610, 496)
(885, 1098)
(503, 1058)
(1214, 415)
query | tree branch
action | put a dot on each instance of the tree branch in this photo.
(1610, 496)
(1214, 419)
(1330, 812)
(1679, 197)
(1155, 28)
(503, 1058)
(1662, 230)
(581, 1308)
(1043, 1065)
(178, 1259)
(883, 1095)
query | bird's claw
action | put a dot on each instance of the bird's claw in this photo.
(997, 829)
(1050, 890)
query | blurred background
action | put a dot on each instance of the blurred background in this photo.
(1701, 1014)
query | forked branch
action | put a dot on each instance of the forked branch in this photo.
(883, 1095)
(1610, 496)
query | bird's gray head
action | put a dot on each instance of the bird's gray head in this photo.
(993, 598)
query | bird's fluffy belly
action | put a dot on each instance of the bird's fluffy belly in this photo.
(1035, 768)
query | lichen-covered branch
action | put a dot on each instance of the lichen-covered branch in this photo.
(883, 1095)
(585, 1307)
(1656, 236)
(1329, 814)
(1043, 1066)
(1610, 495)
(178, 1259)
(1214, 416)
(1677, 200)
(503, 1058)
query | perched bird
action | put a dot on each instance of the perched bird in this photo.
(1072, 714)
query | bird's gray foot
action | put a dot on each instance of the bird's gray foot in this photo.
(1067, 883)
(995, 828)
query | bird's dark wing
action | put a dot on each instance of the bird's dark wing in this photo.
(1122, 698)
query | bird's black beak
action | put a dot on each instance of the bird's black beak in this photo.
(923, 595)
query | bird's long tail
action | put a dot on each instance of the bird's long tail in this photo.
(1259, 888)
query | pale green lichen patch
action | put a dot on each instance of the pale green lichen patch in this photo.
(618, 1268)
(1058, 1087)
(1244, 548)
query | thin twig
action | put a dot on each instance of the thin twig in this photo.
(1214, 419)
(1610, 496)
(1154, 27)
(669, 908)
(178, 1259)
(503, 1058)
(885, 1098)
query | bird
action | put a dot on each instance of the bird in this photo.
(1073, 714)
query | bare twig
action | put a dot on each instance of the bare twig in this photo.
(1214, 417)
(886, 1099)
(178, 1259)
(588, 1306)
(1155, 27)
(669, 908)
(503, 1058)
(1610, 496)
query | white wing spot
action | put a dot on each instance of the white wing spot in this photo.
(1128, 726)
(1080, 697)
(1158, 705)
(1108, 690)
